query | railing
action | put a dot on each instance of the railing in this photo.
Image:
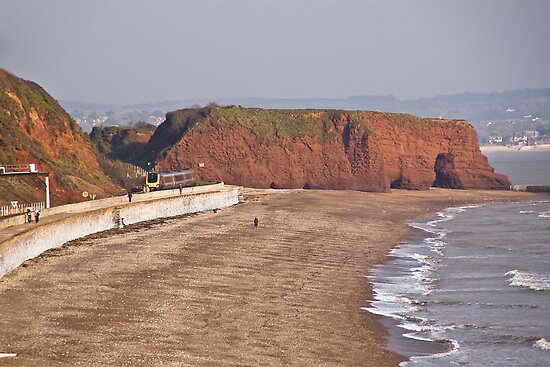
(17, 168)
(138, 170)
(20, 208)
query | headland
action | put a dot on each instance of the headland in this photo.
(210, 289)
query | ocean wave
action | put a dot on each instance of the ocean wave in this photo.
(383, 297)
(526, 211)
(534, 281)
(471, 206)
(542, 343)
(423, 326)
(544, 214)
(411, 326)
(417, 337)
(383, 312)
(454, 348)
(426, 227)
(443, 217)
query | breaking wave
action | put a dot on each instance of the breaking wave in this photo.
(542, 343)
(534, 281)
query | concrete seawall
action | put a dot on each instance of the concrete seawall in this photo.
(117, 200)
(35, 240)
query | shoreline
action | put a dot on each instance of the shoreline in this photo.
(287, 293)
(413, 264)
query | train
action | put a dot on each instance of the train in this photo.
(163, 180)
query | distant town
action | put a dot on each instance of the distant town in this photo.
(527, 130)
(87, 120)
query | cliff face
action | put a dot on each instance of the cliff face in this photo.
(35, 129)
(356, 150)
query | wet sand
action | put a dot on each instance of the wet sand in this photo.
(211, 290)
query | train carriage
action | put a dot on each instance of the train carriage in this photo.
(169, 179)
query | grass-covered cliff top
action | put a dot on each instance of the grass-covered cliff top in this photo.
(269, 124)
(289, 123)
(286, 124)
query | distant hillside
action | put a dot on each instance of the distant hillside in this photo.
(326, 149)
(34, 128)
(478, 108)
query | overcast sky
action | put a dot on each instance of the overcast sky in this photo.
(130, 51)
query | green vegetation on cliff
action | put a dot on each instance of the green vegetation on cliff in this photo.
(121, 143)
(285, 124)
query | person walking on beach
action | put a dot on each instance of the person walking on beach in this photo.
(256, 222)
(29, 215)
(36, 215)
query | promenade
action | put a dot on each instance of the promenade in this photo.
(20, 240)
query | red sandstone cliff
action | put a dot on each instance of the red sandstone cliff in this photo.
(357, 150)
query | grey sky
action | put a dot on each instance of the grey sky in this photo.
(130, 51)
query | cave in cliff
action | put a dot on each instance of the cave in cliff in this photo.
(445, 173)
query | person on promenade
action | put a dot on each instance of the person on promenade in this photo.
(29, 215)
(36, 215)
(129, 196)
(256, 222)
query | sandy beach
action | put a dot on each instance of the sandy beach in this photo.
(522, 149)
(211, 290)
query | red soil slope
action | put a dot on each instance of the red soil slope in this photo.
(35, 129)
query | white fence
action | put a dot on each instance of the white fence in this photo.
(20, 208)
(138, 170)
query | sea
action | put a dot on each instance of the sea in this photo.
(472, 288)
(522, 167)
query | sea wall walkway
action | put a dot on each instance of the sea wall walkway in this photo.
(20, 241)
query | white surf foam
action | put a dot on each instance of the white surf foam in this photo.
(418, 281)
(455, 347)
(417, 337)
(383, 312)
(542, 343)
(534, 281)
(8, 355)
(394, 298)
(416, 327)
(471, 206)
(544, 215)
